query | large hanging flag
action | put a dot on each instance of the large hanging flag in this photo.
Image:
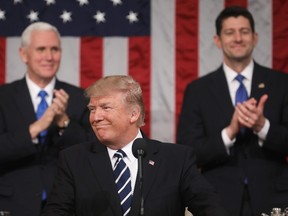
(163, 44)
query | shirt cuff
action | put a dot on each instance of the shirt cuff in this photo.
(262, 134)
(226, 140)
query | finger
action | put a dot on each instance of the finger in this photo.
(243, 110)
(240, 114)
(59, 107)
(262, 102)
(245, 118)
(62, 94)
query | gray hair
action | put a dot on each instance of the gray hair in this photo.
(119, 83)
(37, 26)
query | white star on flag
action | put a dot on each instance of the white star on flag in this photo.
(17, 1)
(116, 2)
(2, 15)
(66, 16)
(33, 16)
(48, 2)
(83, 2)
(132, 17)
(99, 16)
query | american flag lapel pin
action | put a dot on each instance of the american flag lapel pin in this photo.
(261, 85)
(151, 162)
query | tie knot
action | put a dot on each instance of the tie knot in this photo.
(240, 78)
(120, 154)
(42, 94)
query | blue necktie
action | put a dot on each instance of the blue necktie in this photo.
(40, 111)
(123, 181)
(241, 93)
(42, 106)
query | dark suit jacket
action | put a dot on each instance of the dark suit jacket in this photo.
(85, 184)
(25, 168)
(207, 109)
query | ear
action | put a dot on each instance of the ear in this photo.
(255, 38)
(217, 41)
(135, 114)
(23, 55)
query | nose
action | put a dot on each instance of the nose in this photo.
(96, 116)
(238, 36)
(48, 54)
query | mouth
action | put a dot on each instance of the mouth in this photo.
(238, 46)
(99, 127)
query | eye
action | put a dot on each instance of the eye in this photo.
(91, 109)
(245, 31)
(106, 107)
(40, 49)
(55, 49)
(229, 32)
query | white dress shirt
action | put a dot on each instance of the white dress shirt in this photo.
(35, 89)
(130, 160)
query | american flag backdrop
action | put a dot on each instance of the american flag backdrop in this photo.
(163, 44)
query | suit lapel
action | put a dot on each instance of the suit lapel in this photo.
(219, 89)
(151, 164)
(23, 101)
(99, 159)
(260, 83)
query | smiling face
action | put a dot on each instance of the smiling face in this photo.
(237, 40)
(114, 122)
(42, 56)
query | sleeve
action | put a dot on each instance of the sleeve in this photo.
(61, 200)
(201, 133)
(199, 195)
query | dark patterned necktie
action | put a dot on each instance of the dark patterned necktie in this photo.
(123, 181)
(40, 111)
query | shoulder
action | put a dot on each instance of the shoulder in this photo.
(8, 88)
(77, 151)
(164, 148)
(277, 80)
(206, 79)
(270, 72)
(69, 87)
(11, 85)
(76, 94)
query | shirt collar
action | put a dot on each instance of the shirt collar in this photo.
(127, 149)
(231, 74)
(34, 88)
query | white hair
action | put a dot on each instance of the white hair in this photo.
(37, 26)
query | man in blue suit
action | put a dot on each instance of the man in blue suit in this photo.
(241, 147)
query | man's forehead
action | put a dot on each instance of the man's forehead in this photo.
(107, 98)
(236, 21)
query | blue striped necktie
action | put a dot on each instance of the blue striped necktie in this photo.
(40, 111)
(241, 93)
(123, 181)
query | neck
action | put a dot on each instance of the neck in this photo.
(238, 66)
(120, 143)
(41, 82)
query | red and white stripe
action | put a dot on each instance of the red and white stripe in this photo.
(179, 50)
